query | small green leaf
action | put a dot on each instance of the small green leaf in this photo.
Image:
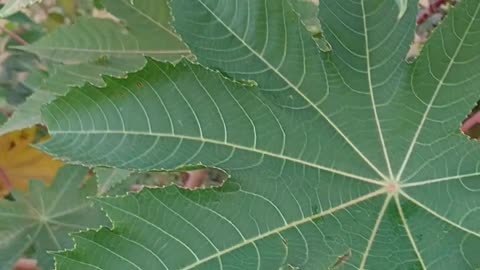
(146, 31)
(93, 47)
(61, 78)
(76, 43)
(42, 218)
(13, 6)
(26, 115)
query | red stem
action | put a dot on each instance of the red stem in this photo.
(471, 122)
(14, 36)
(26, 264)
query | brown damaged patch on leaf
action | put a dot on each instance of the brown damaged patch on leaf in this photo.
(431, 14)
(203, 178)
(20, 162)
(342, 259)
(192, 180)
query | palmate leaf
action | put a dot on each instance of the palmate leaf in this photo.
(41, 219)
(348, 160)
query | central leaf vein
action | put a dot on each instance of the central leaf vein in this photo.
(234, 146)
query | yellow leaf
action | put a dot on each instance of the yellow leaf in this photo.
(20, 162)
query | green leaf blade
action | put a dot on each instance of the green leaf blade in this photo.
(26, 114)
(447, 86)
(149, 21)
(78, 44)
(151, 150)
(193, 214)
(168, 131)
(146, 33)
(285, 62)
(369, 57)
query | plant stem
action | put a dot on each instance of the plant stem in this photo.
(14, 36)
(26, 264)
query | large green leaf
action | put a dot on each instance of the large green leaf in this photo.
(41, 219)
(347, 160)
